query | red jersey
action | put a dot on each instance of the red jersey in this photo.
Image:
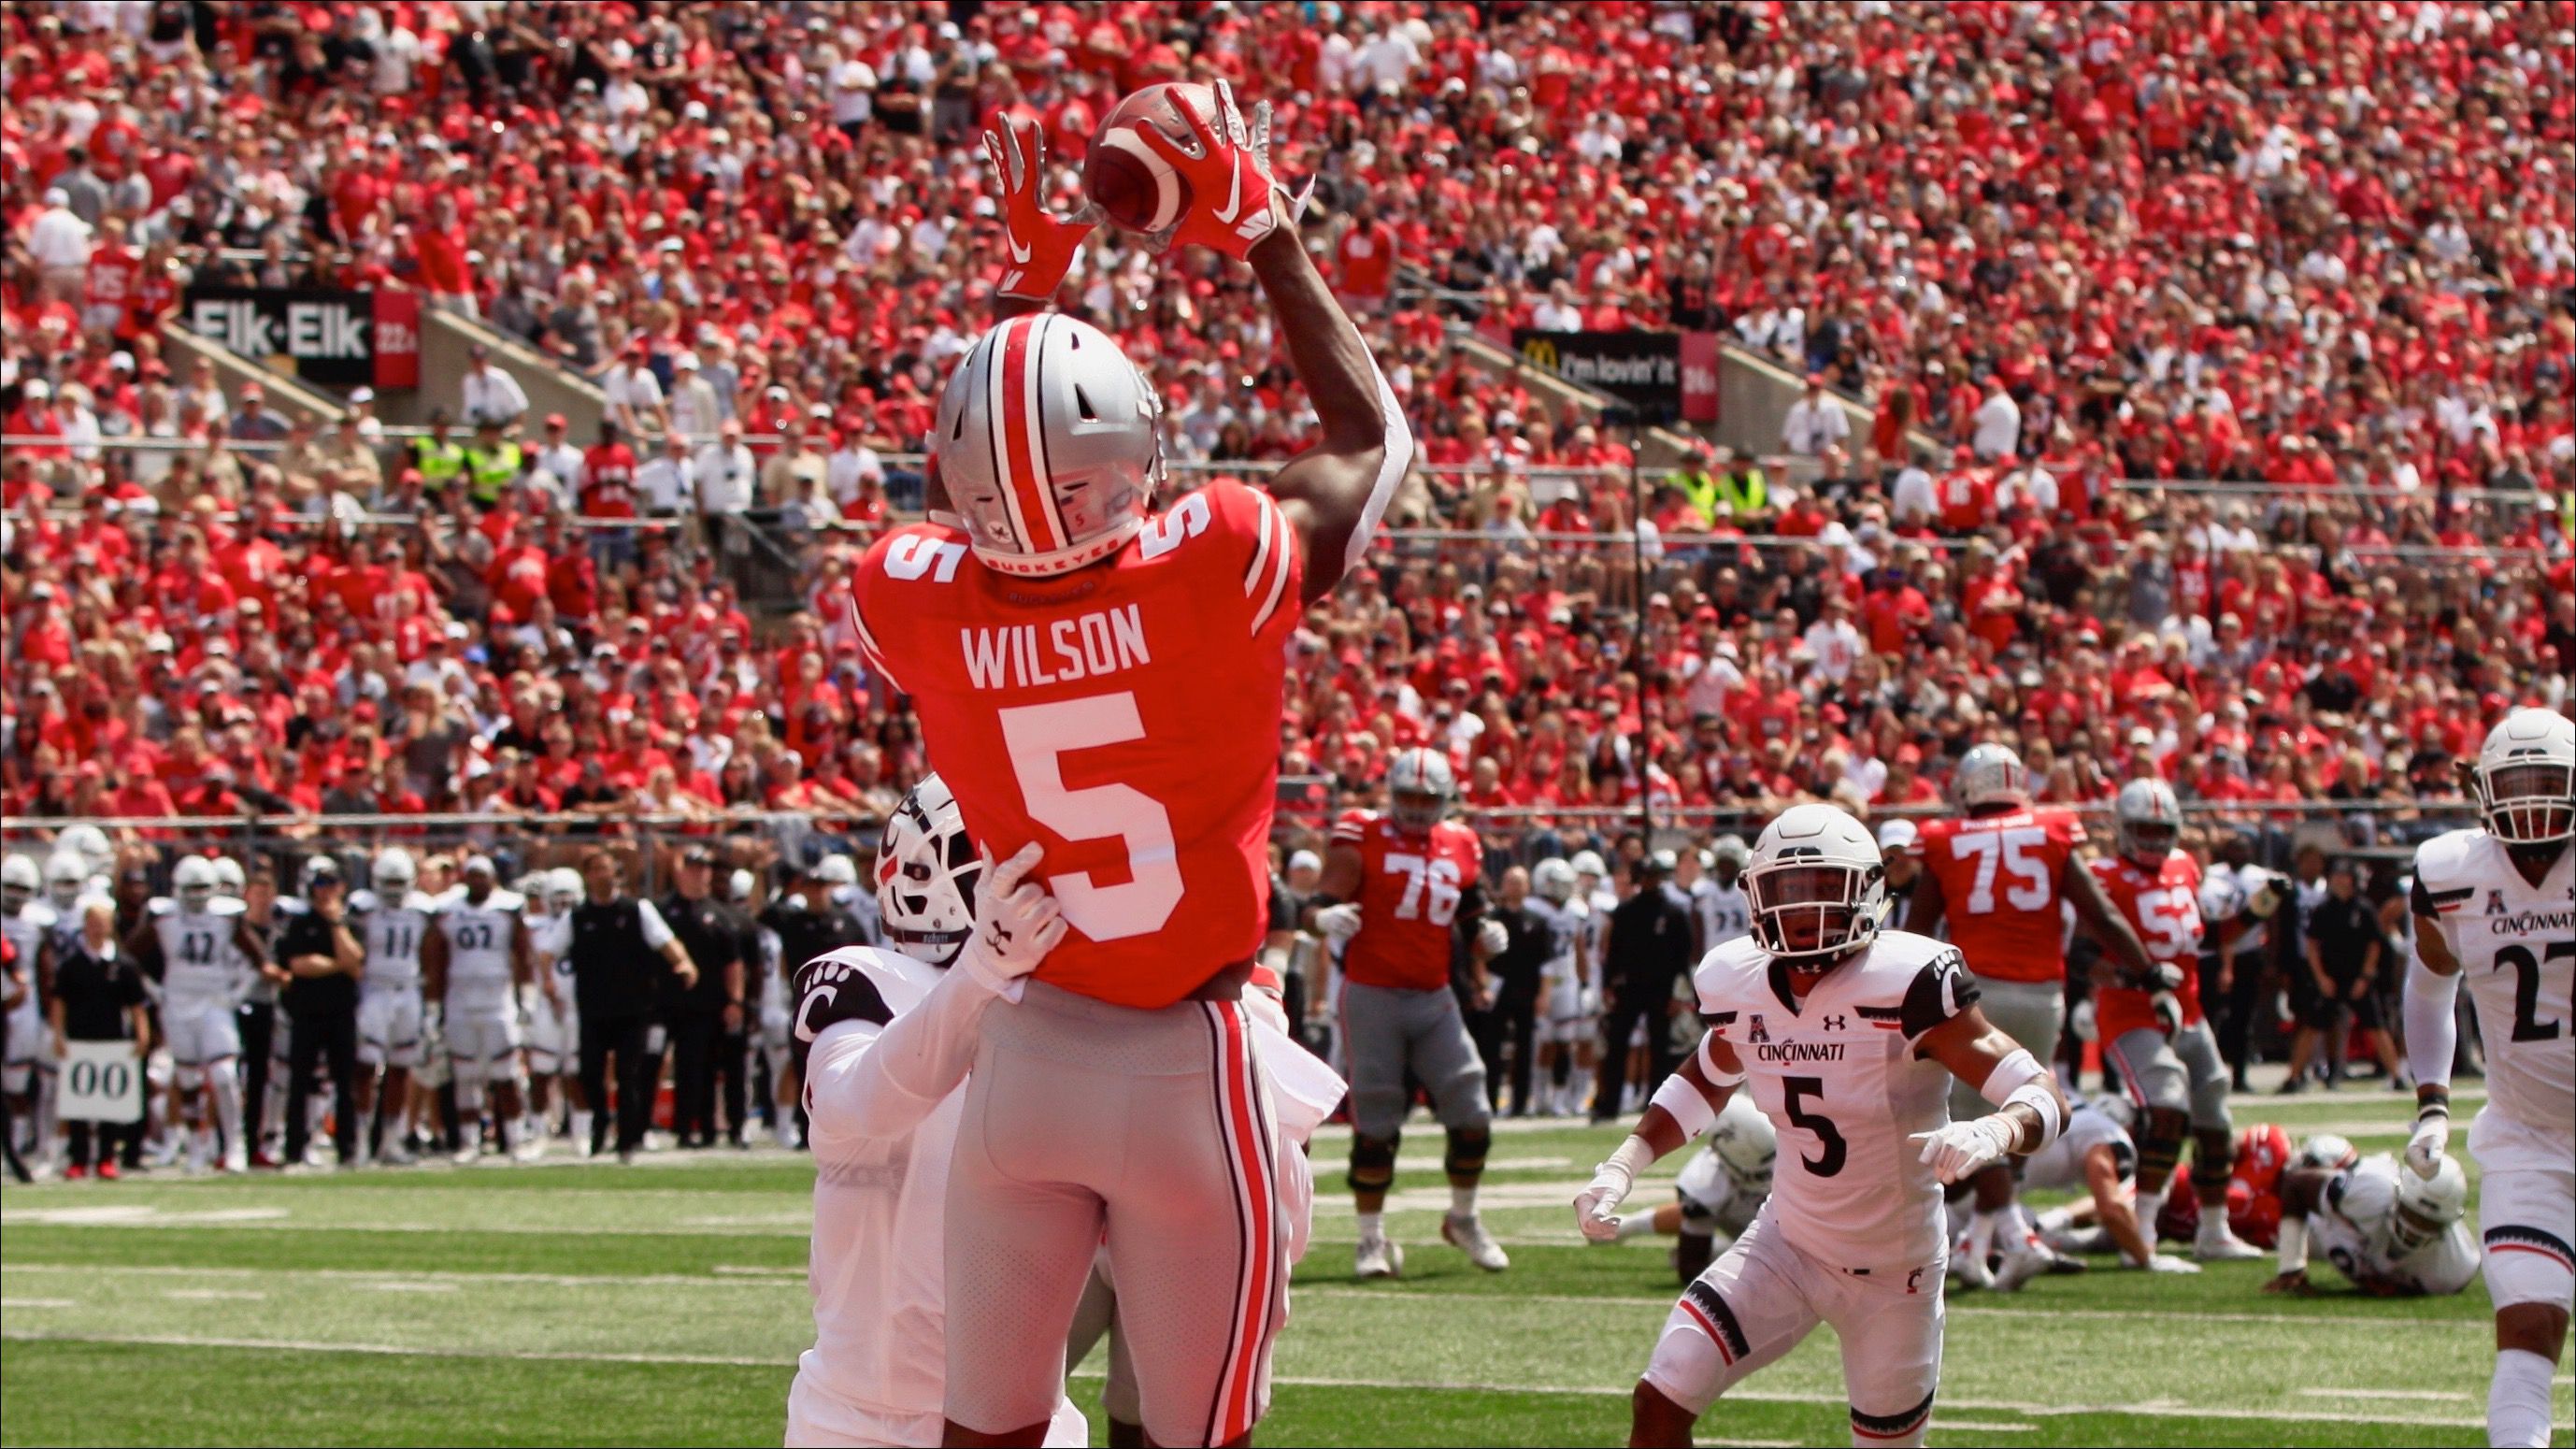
(1999, 876)
(1410, 887)
(1124, 715)
(2165, 909)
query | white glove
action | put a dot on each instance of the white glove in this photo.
(1492, 938)
(2432, 1138)
(1589, 1000)
(1016, 923)
(1596, 1208)
(1339, 923)
(1956, 1150)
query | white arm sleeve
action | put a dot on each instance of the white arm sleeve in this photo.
(2432, 1030)
(887, 1078)
(657, 932)
(1391, 468)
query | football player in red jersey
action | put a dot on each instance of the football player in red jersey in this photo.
(2000, 877)
(1105, 680)
(1400, 889)
(2152, 1026)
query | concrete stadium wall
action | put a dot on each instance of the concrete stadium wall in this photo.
(445, 340)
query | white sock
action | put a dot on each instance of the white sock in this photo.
(1372, 1226)
(1578, 1089)
(2151, 1206)
(2056, 1220)
(228, 1106)
(2213, 1224)
(580, 1127)
(2518, 1399)
(48, 1092)
(1462, 1202)
(1981, 1236)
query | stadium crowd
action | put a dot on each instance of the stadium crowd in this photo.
(762, 229)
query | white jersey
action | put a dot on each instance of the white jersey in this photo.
(199, 964)
(478, 949)
(877, 1266)
(1724, 913)
(1596, 930)
(1838, 1077)
(2361, 1249)
(392, 935)
(550, 943)
(2224, 894)
(2060, 1165)
(2516, 945)
(26, 929)
(1566, 926)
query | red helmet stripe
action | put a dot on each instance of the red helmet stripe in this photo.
(1015, 402)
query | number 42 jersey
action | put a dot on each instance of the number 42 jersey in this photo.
(2516, 945)
(1838, 1077)
(1124, 715)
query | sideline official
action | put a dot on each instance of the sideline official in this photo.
(706, 1014)
(324, 960)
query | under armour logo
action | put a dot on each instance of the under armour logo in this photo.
(1836, 1023)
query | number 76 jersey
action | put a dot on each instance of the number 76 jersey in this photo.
(1125, 716)
(2516, 945)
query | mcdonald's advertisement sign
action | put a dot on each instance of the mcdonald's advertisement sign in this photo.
(1645, 370)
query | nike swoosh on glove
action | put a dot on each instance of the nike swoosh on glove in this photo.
(1234, 203)
(1038, 245)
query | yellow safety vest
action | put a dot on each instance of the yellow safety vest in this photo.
(490, 472)
(1743, 495)
(439, 463)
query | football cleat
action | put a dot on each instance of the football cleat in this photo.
(1467, 1234)
(1969, 1272)
(109, 1171)
(1378, 1258)
(236, 1157)
(2168, 1263)
(75, 1173)
(2023, 1263)
(532, 1149)
(2224, 1247)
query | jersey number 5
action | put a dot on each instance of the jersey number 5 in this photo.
(1038, 736)
(2017, 853)
(2527, 1025)
(1792, 1091)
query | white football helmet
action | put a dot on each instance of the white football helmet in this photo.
(1817, 887)
(1589, 862)
(926, 874)
(1746, 1143)
(394, 874)
(2426, 1210)
(564, 889)
(738, 887)
(65, 874)
(1419, 787)
(1553, 880)
(21, 879)
(2149, 823)
(90, 844)
(837, 870)
(229, 877)
(192, 880)
(2327, 1150)
(1990, 775)
(2525, 781)
(1050, 445)
(1730, 851)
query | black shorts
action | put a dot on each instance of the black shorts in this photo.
(2319, 1011)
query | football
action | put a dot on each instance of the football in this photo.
(1132, 183)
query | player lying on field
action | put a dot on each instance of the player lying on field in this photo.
(1719, 1191)
(1847, 1037)
(2395, 1235)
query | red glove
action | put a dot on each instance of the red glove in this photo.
(1039, 244)
(1229, 161)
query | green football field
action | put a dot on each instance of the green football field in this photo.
(573, 1303)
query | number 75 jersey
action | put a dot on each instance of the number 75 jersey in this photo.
(1838, 1076)
(1125, 716)
(1999, 877)
(2516, 945)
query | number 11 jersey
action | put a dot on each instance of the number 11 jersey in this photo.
(1125, 716)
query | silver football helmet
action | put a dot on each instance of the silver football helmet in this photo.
(1728, 857)
(1419, 787)
(20, 879)
(2526, 778)
(1746, 1143)
(2149, 823)
(2329, 1150)
(1817, 887)
(1049, 443)
(1990, 775)
(1553, 880)
(926, 874)
(230, 879)
(65, 874)
(2426, 1209)
(394, 874)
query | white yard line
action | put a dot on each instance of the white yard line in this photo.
(217, 1295)
(1965, 1305)
(2427, 1396)
(9, 1303)
(1621, 1391)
